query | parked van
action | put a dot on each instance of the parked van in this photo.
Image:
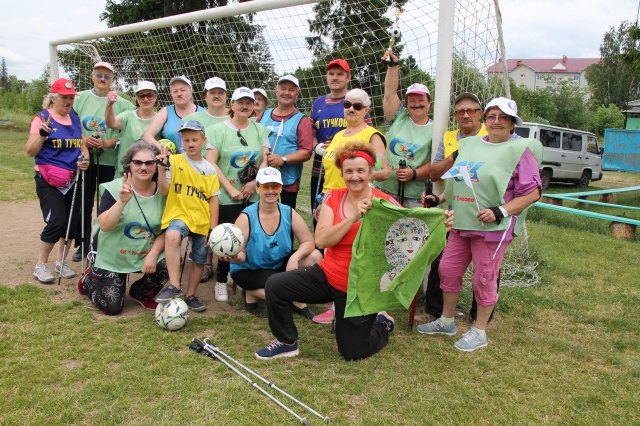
(569, 155)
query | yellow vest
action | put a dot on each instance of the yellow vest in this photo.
(332, 175)
(451, 140)
(188, 198)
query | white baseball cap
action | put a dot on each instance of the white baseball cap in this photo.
(215, 83)
(263, 93)
(506, 105)
(243, 92)
(181, 78)
(418, 89)
(145, 85)
(291, 78)
(269, 175)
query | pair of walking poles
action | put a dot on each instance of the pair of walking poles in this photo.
(215, 353)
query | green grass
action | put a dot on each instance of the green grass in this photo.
(16, 167)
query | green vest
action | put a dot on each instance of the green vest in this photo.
(412, 143)
(391, 253)
(124, 248)
(233, 156)
(490, 166)
(132, 130)
(207, 120)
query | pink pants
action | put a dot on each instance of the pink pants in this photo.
(458, 253)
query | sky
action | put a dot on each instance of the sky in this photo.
(532, 28)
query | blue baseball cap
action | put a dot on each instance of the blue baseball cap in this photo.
(192, 125)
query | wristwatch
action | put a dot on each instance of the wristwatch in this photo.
(284, 159)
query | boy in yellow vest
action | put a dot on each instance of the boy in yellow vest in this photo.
(192, 188)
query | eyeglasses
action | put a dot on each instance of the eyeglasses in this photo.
(150, 95)
(356, 105)
(272, 185)
(502, 118)
(461, 112)
(139, 163)
(102, 76)
(243, 141)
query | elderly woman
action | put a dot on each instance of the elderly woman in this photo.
(129, 238)
(170, 118)
(338, 224)
(239, 145)
(132, 124)
(55, 140)
(262, 101)
(505, 184)
(269, 227)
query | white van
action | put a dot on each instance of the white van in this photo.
(569, 155)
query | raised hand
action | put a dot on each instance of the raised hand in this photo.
(126, 191)
(162, 159)
(112, 97)
(45, 126)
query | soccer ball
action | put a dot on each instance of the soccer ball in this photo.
(169, 144)
(226, 239)
(394, 31)
(173, 315)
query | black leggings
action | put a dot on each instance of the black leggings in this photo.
(107, 289)
(56, 208)
(357, 337)
(228, 214)
(250, 279)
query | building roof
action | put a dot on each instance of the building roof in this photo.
(564, 64)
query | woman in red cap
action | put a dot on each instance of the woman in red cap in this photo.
(55, 141)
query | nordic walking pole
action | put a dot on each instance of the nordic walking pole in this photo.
(268, 383)
(402, 164)
(314, 205)
(82, 213)
(210, 351)
(66, 236)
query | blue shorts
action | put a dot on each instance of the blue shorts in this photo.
(198, 249)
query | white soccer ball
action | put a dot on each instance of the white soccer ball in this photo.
(394, 31)
(226, 239)
(173, 315)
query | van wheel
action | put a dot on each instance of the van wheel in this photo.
(583, 182)
(545, 175)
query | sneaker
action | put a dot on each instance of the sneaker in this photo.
(305, 312)
(169, 292)
(43, 274)
(77, 256)
(251, 308)
(277, 349)
(194, 303)
(221, 292)
(207, 272)
(146, 303)
(437, 327)
(470, 341)
(324, 318)
(66, 271)
(387, 320)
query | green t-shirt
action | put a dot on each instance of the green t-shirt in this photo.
(90, 108)
(410, 142)
(233, 156)
(132, 130)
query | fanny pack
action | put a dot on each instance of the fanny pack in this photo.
(56, 176)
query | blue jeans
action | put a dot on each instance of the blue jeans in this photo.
(198, 249)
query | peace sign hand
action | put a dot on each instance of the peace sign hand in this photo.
(162, 159)
(126, 191)
(45, 127)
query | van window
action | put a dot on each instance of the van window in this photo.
(571, 141)
(592, 145)
(523, 132)
(550, 138)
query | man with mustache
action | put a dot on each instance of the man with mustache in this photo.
(291, 137)
(90, 105)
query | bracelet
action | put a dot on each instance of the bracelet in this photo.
(455, 155)
(415, 174)
(43, 133)
(504, 211)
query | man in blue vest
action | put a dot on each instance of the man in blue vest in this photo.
(291, 137)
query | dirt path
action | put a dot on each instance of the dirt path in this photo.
(20, 237)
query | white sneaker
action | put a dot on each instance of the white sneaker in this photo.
(221, 292)
(43, 274)
(66, 271)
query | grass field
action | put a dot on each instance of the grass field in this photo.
(566, 351)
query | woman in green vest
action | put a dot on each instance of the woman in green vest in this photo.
(493, 181)
(129, 237)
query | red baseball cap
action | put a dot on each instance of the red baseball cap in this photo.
(62, 86)
(339, 63)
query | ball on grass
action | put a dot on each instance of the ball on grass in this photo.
(173, 315)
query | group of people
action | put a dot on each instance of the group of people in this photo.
(243, 164)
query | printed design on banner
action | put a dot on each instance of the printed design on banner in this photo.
(139, 231)
(404, 238)
(94, 124)
(403, 149)
(473, 168)
(240, 159)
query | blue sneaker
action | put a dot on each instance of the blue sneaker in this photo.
(471, 340)
(437, 327)
(169, 292)
(386, 320)
(277, 349)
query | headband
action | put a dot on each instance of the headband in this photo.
(361, 154)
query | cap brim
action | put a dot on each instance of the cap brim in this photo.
(270, 180)
(510, 114)
(190, 128)
(416, 92)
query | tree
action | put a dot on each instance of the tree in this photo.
(4, 76)
(606, 117)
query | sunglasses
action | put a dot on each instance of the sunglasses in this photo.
(356, 105)
(502, 118)
(139, 163)
(267, 186)
(102, 76)
(146, 95)
(243, 141)
(461, 112)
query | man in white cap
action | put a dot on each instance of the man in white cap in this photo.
(262, 101)
(90, 105)
(215, 95)
(291, 137)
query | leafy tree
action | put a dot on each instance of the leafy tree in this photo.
(606, 117)
(4, 76)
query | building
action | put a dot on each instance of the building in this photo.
(632, 115)
(532, 73)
